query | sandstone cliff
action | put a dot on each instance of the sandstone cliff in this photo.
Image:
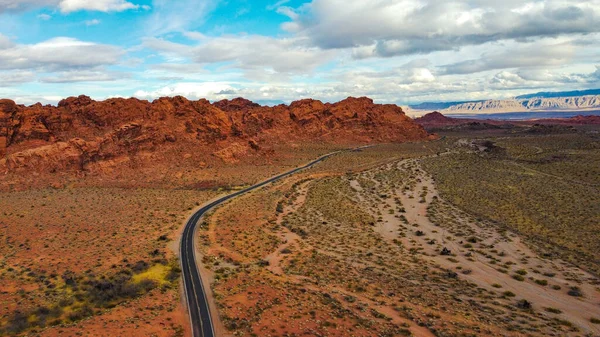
(82, 136)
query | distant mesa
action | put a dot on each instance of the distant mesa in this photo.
(542, 101)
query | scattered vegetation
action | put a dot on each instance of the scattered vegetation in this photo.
(537, 186)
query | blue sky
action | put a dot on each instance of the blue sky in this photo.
(395, 51)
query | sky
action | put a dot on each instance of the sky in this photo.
(274, 51)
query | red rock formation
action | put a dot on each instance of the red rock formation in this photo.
(437, 120)
(577, 120)
(434, 118)
(82, 135)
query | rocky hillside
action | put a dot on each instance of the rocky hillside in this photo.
(116, 135)
(529, 104)
(437, 119)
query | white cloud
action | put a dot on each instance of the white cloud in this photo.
(403, 27)
(5, 42)
(82, 76)
(68, 6)
(212, 90)
(18, 5)
(177, 16)
(58, 60)
(93, 22)
(249, 52)
(509, 80)
(58, 53)
(422, 75)
(11, 78)
(44, 17)
(277, 4)
(534, 54)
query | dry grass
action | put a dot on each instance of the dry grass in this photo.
(332, 252)
(546, 188)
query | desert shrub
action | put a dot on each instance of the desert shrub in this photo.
(279, 208)
(524, 198)
(139, 266)
(350, 299)
(174, 272)
(17, 323)
(553, 310)
(102, 293)
(575, 292)
(80, 313)
(524, 304)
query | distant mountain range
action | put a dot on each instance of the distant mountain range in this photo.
(439, 105)
(542, 101)
(576, 93)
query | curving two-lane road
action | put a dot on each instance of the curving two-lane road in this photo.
(194, 290)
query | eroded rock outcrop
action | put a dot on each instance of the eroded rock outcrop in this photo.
(83, 135)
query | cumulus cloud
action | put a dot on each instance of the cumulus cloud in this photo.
(82, 76)
(68, 6)
(57, 54)
(523, 55)
(388, 28)
(189, 90)
(12, 78)
(248, 52)
(508, 80)
(5, 42)
(19, 5)
(58, 60)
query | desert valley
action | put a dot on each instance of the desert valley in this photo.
(402, 237)
(299, 168)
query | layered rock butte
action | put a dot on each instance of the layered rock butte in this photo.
(83, 136)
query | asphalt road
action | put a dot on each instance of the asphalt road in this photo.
(194, 290)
